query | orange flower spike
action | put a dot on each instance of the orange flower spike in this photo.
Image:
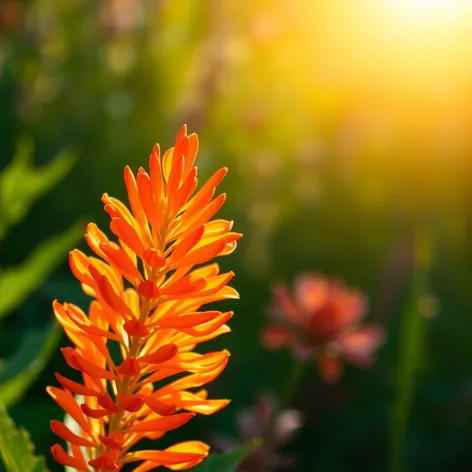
(128, 234)
(134, 200)
(154, 258)
(205, 194)
(147, 198)
(184, 192)
(157, 323)
(186, 224)
(155, 171)
(65, 459)
(119, 259)
(192, 141)
(175, 176)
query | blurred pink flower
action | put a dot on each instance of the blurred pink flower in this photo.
(122, 15)
(322, 320)
(275, 428)
(11, 16)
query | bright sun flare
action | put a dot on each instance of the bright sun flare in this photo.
(430, 3)
(429, 6)
(431, 11)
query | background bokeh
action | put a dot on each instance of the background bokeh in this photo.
(346, 129)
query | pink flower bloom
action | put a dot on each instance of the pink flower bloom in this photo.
(322, 320)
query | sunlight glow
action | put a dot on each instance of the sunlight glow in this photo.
(443, 4)
(396, 54)
(430, 10)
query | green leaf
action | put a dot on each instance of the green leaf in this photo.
(16, 449)
(23, 368)
(229, 461)
(21, 184)
(18, 282)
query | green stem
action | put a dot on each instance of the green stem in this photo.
(291, 386)
(411, 344)
(296, 374)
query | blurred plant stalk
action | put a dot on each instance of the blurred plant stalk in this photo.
(295, 377)
(411, 346)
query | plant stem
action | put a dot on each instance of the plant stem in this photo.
(411, 344)
(296, 374)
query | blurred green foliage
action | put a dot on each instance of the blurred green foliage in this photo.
(227, 462)
(15, 448)
(21, 369)
(20, 185)
(18, 282)
(336, 155)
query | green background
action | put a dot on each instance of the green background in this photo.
(334, 166)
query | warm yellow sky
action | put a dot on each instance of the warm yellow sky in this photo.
(409, 61)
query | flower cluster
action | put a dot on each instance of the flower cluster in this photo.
(135, 349)
(321, 320)
(273, 428)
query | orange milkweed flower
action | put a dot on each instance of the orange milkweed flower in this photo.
(321, 320)
(146, 298)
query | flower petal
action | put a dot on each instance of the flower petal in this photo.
(276, 337)
(359, 345)
(330, 368)
(311, 291)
